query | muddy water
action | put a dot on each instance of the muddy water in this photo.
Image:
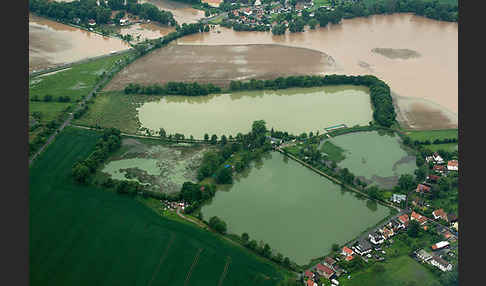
(52, 43)
(432, 75)
(183, 13)
(297, 212)
(221, 64)
(146, 31)
(292, 110)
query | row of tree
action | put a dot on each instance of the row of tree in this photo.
(383, 109)
(109, 142)
(173, 88)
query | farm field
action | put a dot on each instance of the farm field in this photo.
(399, 271)
(49, 110)
(432, 135)
(83, 235)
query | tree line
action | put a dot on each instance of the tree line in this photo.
(89, 9)
(173, 88)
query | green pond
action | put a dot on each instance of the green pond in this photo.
(115, 168)
(379, 158)
(295, 110)
(296, 211)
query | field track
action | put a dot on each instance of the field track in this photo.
(225, 271)
(196, 259)
(162, 258)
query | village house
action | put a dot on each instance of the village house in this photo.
(311, 282)
(437, 158)
(346, 251)
(376, 238)
(124, 21)
(422, 188)
(451, 218)
(441, 264)
(91, 22)
(440, 245)
(324, 271)
(309, 274)
(453, 165)
(329, 262)
(455, 226)
(404, 220)
(394, 225)
(423, 255)
(338, 270)
(362, 247)
(439, 168)
(76, 20)
(386, 232)
(439, 214)
(433, 178)
(397, 198)
(418, 217)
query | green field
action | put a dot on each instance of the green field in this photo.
(114, 109)
(75, 82)
(81, 235)
(400, 271)
(432, 135)
(335, 153)
(48, 110)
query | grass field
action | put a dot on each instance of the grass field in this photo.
(399, 271)
(114, 109)
(82, 235)
(432, 135)
(74, 82)
(49, 110)
(335, 153)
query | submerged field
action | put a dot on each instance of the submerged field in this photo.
(161, 166)
(221, 64)
(295, 110)
(82, 235)
(297, 212)
(376, 158)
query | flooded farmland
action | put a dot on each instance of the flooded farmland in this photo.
(183, 13)
(221, 64)
(293, 110)
(163, 168)
(364, 157)
(416, 56)
(282, 195)
(52, 43)
(149, 31)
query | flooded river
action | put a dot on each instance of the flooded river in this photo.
(416, 56)
(183, 13)
(294, 110)
(52, 43)
(297, 212)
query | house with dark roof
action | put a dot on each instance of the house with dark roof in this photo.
(338, 270)
(376, 238)
(423, 255)
(362, 247)
(441, 263)
(433, 178)
(324, 271)
(452, 218)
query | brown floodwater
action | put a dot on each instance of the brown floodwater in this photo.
(52, 43)
(221, 64)
(432, 76)
(183, 13)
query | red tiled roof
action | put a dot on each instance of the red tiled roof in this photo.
(422, 188)
(347, 250)
(310, 282)
(453, 163)
(438, 168)
(434, 177)
(325, 269)
(349, 258)
(403, 218)
(418, 217)
(440, 213)
(308, 274)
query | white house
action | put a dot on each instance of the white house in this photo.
(362, 248)
(397, 198)
(453, 165)
(124, 21)
(376, 238)
(424, 255)
(440, 245)
(441, 264)
(437, 158)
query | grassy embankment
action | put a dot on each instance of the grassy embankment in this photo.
(334, 152)
(81, 235)
(432, 135)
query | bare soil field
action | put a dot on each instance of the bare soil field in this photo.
(390, 53)
(221, 64)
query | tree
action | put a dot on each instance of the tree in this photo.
(245, 237)
(217, 224)
(224, 140)
(421, 173)
(279, 258)
(286, 261)
(214, 139)
(206, 137)
(444, 184)
(162, 133)
(413, 228)
(258, 127)
(224, 175)
(267, 251)
(80, 172)
(373, 192)
(406, 182)
(335, 247)
(253, 244)
(313, 23)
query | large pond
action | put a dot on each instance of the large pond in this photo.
(416, 56)
(296, 211)
(378, 158)
(293, 110)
